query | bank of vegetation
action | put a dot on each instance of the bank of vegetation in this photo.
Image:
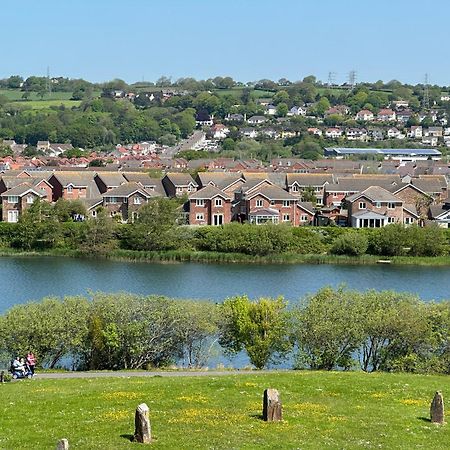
(332, 329)
(158, 235)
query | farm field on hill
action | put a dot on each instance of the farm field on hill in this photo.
(320, 410)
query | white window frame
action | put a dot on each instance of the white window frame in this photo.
(391, 219)
(286, 217)
(286, 203)
(137, 201)
(362, 205)
(391, 205)
(304, 218)
(69, 189)
(199, 216)
(295, 188)
(218, 202)
(259, 203)
(378, 205)
(200, 202)
(30, 199)
(12, 199)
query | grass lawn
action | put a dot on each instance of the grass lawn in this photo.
(321, 410)
(43, 104)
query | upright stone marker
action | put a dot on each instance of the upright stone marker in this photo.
(142, 430)
(271, 406)
(63, 444)
(437, 409)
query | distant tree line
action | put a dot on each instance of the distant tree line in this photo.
(332, 329)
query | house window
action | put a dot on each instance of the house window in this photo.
(13, 199)
(377, 204)
(111, 199)
(69, 189)
(390, 220)
(391, 205)
(272, 202)
(179, 190)
(362, 205)
(319, 201)
(286, 217)
(409, 220)
(94, 213)
(30, 199)
(259, 203)
(200, 202)
(294, 188)
(190, 188)
(199, 216)
(218, 202)
(137, 200)
(304, 218)
(286, 203)
(335, 195)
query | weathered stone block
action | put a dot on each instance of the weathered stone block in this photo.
(63, 444)
(437, 409)
(271, 406)
(142, 430)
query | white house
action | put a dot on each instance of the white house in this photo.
(364, 115)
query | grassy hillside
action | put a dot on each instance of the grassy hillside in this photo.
(321, 410)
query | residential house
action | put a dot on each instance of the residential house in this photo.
(299, 183)
(297, 111)
(394, 133)
(210, 206)
(404, 115)
(203, 119)
(315, 131)
(270, 110)
(124, 202)
(17, 199)
(377, 207)
(430, 140)
(416, 132)
(107, 181)
(256, 120)
(219, 131)
(356, 134)
(151, 185)
(433, 131)
(341, 110)
(179, 184)
(74, 185)
(250, 133)
(364, 115)
(386, 115)
(333, 133)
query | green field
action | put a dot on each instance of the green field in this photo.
(336, 410)
(16, 95)
(43, 104)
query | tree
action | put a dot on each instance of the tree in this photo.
(260, 328)
(282, 109)
(156, 227)
(66, 210)
(328, 329)
(321, 106)
(281, 97)
(307, 149)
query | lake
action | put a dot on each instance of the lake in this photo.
(31, 278)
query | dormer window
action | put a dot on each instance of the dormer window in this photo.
(137, 200)
(218, 202)
(30, 199)
(294, 188)
(69, 189)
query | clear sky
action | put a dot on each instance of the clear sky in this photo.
(247, 39)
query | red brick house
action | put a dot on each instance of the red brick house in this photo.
(17, 199)
(125, 201)
(297, 183)
(377, 207)
(210, 206)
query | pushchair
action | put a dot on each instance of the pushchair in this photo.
(18, 374)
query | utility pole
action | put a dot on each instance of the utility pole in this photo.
(331, 79)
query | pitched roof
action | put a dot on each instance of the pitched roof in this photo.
(112, 179)
(180, 179)
(209, 192)
(428, 185)
(23, 189)
(309, 179)
(127, 189)
(375, 194)
(272, 193)
(221, 179)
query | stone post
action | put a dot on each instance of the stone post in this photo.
(437, 409)
(63, 444)
(142, 430)
(271, 406)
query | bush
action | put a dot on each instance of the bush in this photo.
(351, 243)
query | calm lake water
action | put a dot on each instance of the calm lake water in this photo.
(31, 278)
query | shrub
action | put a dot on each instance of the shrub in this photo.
(351, 243)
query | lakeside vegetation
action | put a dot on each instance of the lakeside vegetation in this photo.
(338, 410)
(157, 235)
(331, 329)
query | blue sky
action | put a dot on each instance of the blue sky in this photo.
(247, 39)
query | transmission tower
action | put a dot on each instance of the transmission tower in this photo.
(426, 93)
(331, 79)
(352, 79)
(49, 82)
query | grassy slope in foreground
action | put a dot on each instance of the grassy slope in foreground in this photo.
(321, 410)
